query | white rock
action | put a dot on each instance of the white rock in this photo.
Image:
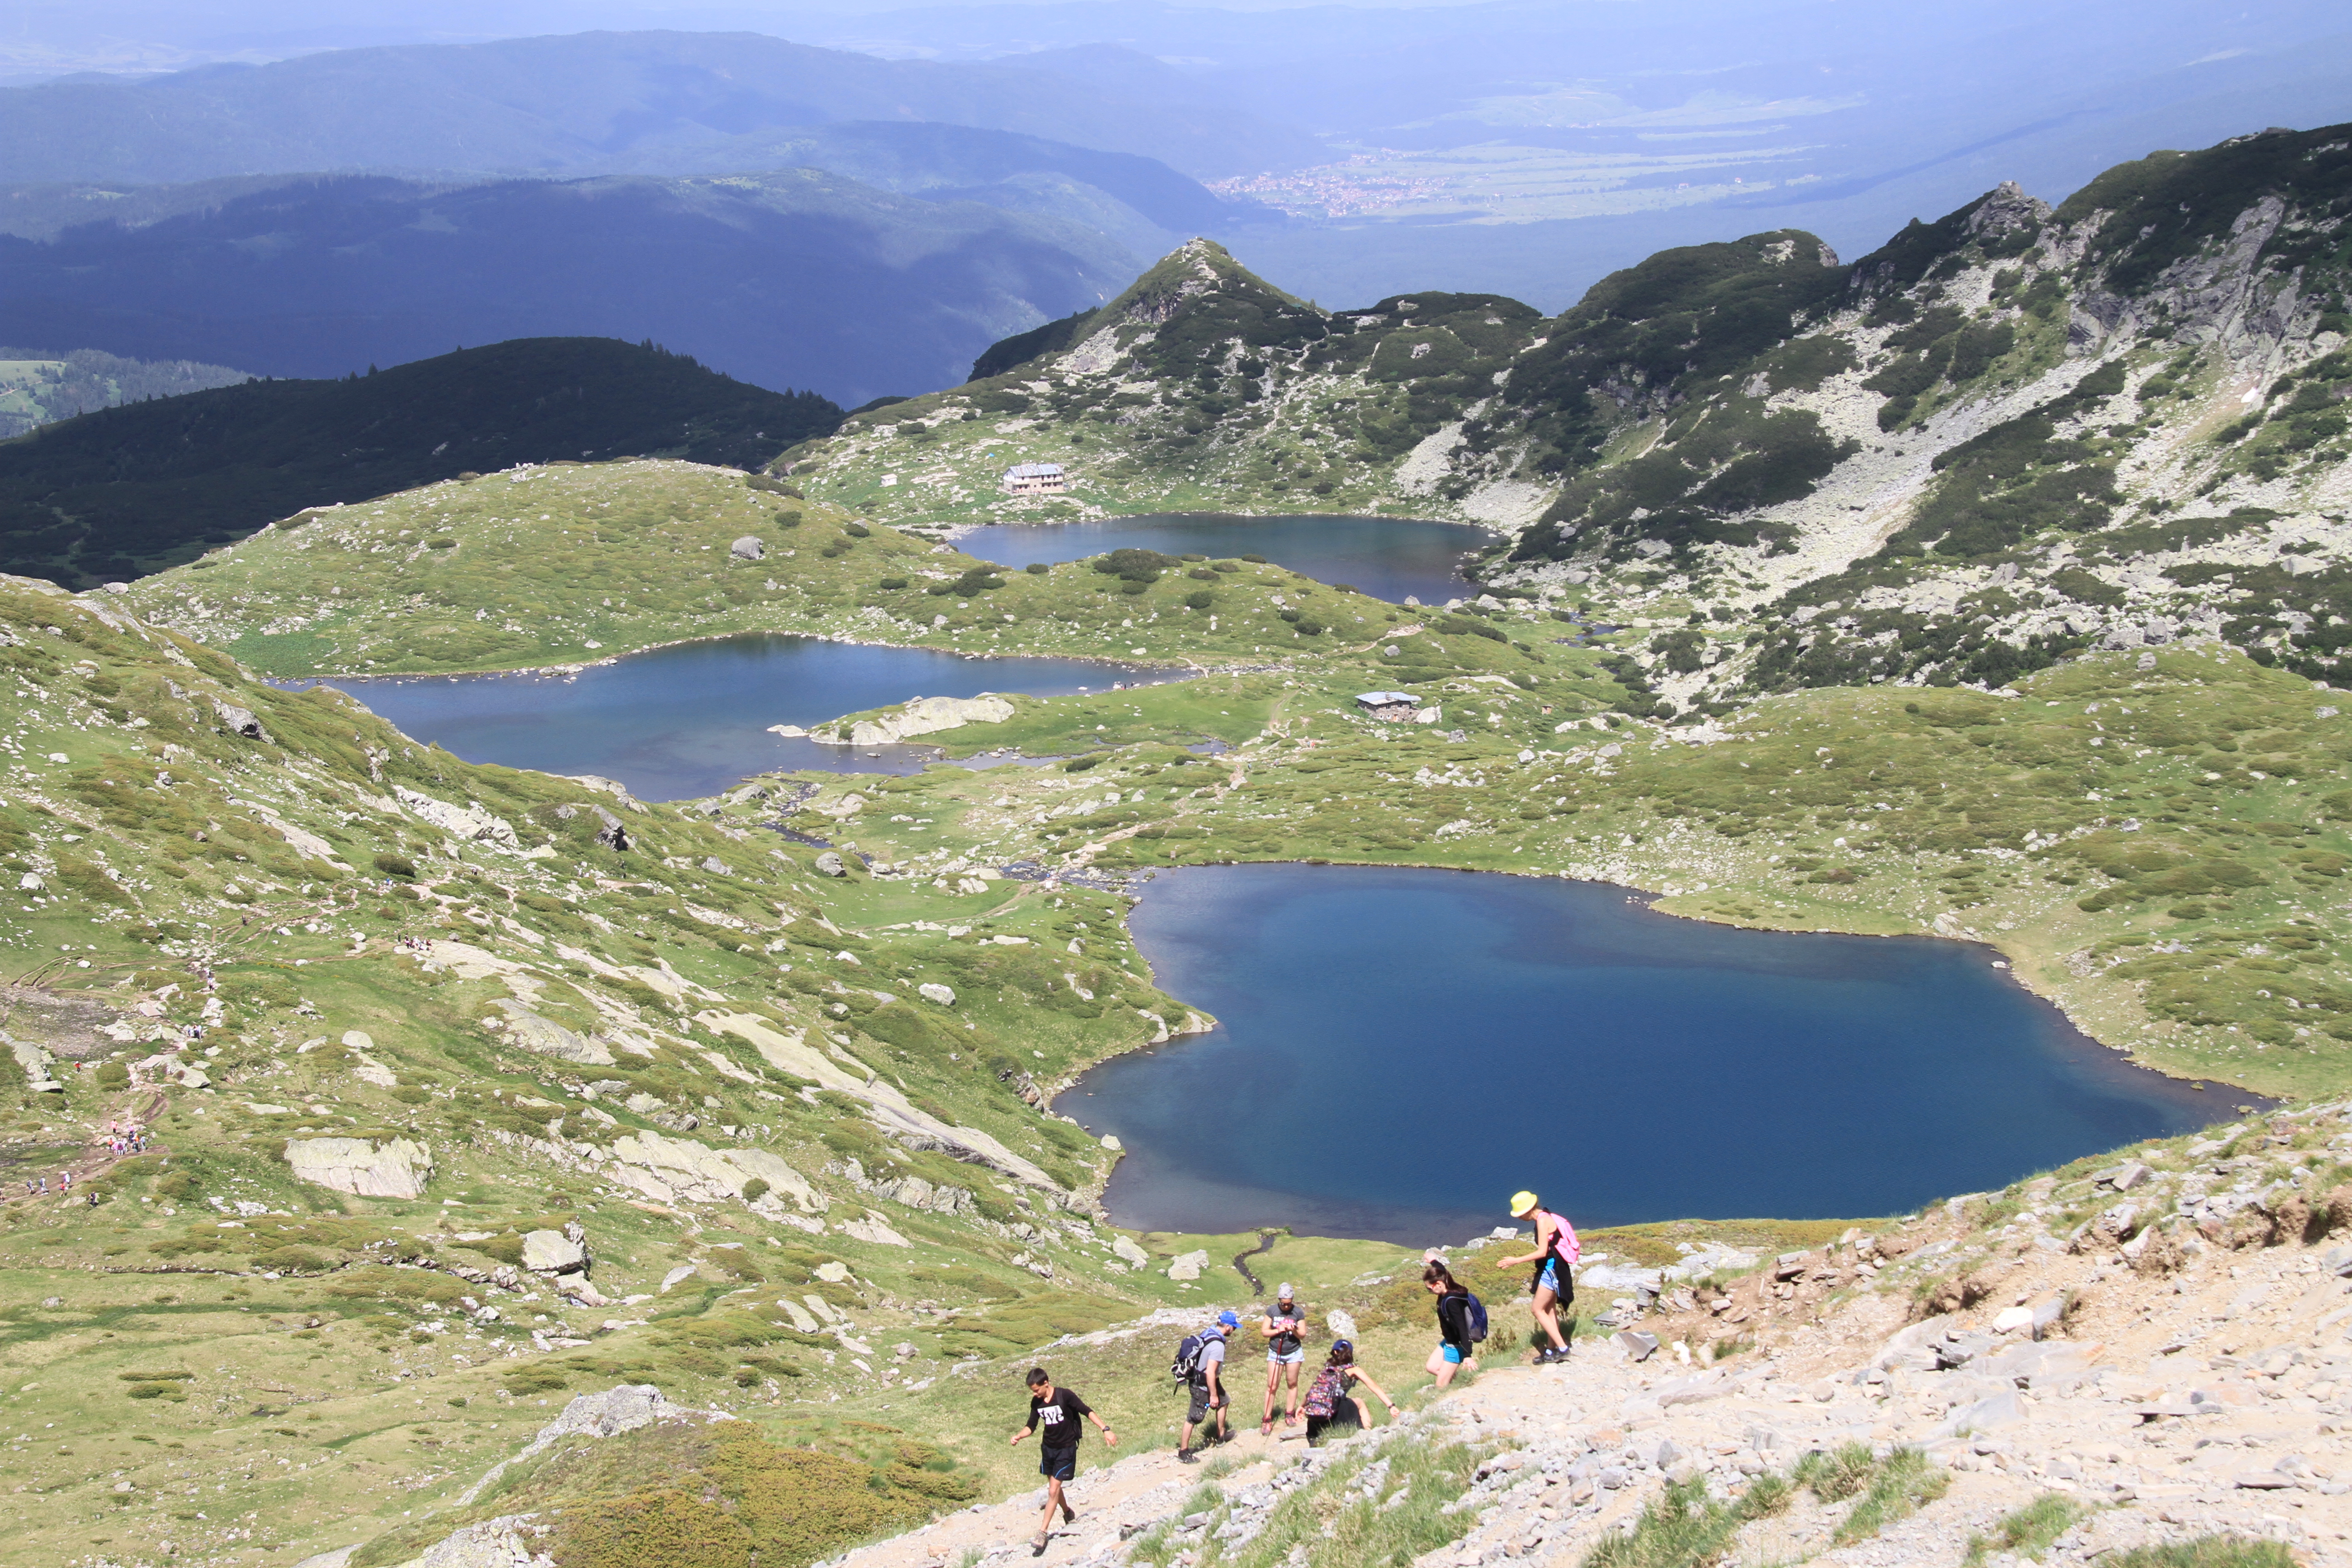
(471, 823)
(1188, 1265)
(934, 992)
(553, 1252)
(833, 1273)
(397, 1169)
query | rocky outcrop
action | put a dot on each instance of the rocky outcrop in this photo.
(624, 1408)
(396, 1168)
(671, 1169)
(543, 1036)
(471, 823)
(923, 716)
(749, 548)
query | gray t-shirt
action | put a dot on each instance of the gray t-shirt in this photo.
(1212, 1348)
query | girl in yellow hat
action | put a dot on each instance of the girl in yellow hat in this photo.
(1554, 1284)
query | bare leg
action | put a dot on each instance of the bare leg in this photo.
(1546, 1307)
(1273, 1387)
(1440, 1368)
(1053, 1501)
(1291, 1377)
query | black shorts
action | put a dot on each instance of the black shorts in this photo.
(1058, 1464)
(1344, 1413)
(1201, 1405)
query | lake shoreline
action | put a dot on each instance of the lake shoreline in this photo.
(2103, 1074)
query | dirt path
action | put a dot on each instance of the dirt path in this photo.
(141, 1107)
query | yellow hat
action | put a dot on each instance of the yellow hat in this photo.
(1520, 1203)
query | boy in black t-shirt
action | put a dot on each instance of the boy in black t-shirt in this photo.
(1058, 1411)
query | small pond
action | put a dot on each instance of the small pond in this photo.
(1386, 557)
(677, 722)
(1401, 1049)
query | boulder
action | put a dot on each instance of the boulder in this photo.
(1188, 1265)
(667, 1169)
(553, 1252)
(934, 992)
(611, 834)
(749, 548)
(830, 864)
(471, 823)
(1126, 1250)
(1342, 1326)
(238, 720)
(542, 1036)
(397, 1168)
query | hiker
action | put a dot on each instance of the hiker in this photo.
(1205, 1375)
(1554, 1283)
(1457, 1327)
(1284, 1329)
(1327, 1404)
(1060, 1410)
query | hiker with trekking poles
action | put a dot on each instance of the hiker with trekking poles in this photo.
(1329, 1403)
(1059, 1411)
(1200, 1366)
(1284, 1328)
(1554, 1282)
(1461, 1324)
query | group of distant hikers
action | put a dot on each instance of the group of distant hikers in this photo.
(1332, 1398)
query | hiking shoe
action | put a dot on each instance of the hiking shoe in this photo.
(1069, 1515)
(1186, 1457)
(1037, 1547)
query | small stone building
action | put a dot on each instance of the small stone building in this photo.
(1389, 707)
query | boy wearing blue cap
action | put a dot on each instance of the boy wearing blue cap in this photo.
(1208, 1385)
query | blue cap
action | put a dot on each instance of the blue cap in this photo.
(1228, 1321)
(1348, 1345)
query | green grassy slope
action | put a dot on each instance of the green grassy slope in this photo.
(572, 562)
(172, 871)
(126, 491)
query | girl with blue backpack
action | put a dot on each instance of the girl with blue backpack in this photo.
(1461, 1324)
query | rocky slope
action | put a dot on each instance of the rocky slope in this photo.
(2124, 1363)
(2006, 436)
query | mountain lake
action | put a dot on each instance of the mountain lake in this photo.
(1400, 1049)
(1387, 557)
(691, 720)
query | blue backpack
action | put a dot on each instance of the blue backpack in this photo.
(1474, 1317)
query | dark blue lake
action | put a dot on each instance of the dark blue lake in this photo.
(676, 722)
(1401, 1049)
(1386, 557)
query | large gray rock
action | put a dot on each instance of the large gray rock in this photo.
(545, 1037)
(931, 991)
(1128, 1252)
(748, 548)
(553, 1252)
(470, 822)
(1188, 1265)
(831, 864)
(397, 1168)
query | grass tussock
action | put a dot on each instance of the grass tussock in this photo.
(2209, 1552)
(2028, 1531)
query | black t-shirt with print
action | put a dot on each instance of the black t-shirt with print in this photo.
(1060, 1415)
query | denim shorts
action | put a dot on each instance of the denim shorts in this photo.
(1293, 1359)
(1549, 1278)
